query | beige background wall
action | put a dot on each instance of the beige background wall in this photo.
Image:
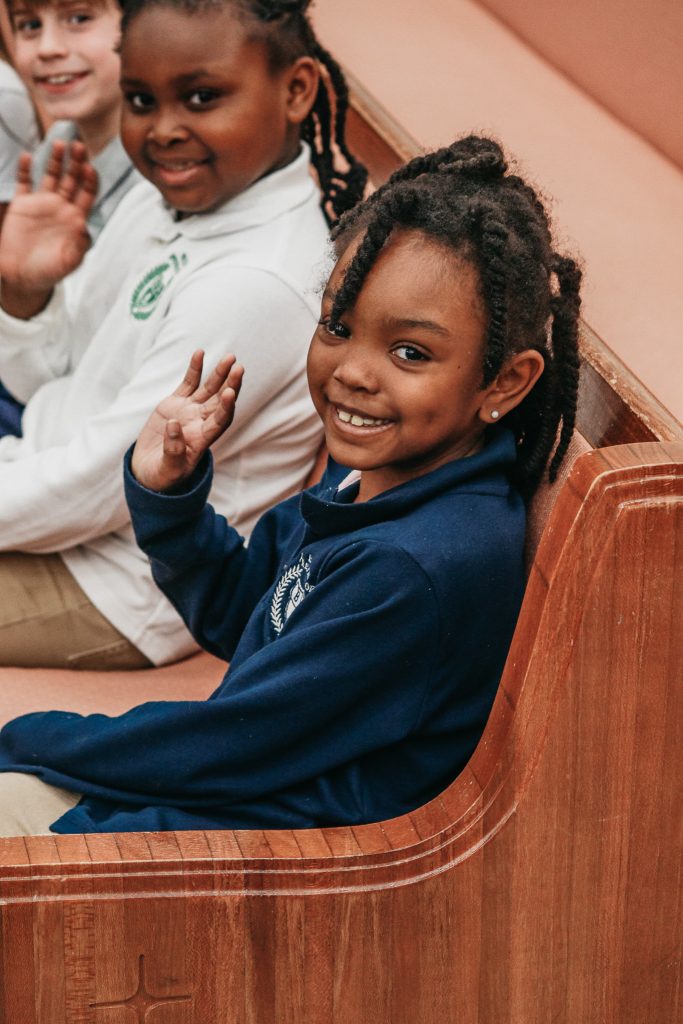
(628, 54)
(444, 67)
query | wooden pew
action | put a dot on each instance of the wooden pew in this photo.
(542, 885)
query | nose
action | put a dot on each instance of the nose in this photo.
(167, 127)
(357, 369)
(52, 42)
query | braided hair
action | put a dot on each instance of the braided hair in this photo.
(464, 197)
(284, 28)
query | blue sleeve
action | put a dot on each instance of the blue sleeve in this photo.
(347, 675)
(200, 562)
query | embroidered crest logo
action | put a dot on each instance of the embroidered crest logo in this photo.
(290, 592)
(154, 283)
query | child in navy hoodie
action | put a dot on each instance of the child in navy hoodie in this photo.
(368, 621)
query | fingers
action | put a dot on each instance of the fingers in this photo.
(69, 174)
(87, 193)
(24, 184)
(73, 166)
(216, 379)
(193, 375)
(174, 445)
(235, 378)
(223, 409)
(54, 167)
(226, 374)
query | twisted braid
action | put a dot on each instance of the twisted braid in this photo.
(396, 209)
(493, 243)
(565, 335)
(325, 127)
(463, 197)
(342, 189)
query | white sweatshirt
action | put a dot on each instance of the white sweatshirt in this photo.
(117, 339)
(18, 127)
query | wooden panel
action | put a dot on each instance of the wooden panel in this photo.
(549, 890)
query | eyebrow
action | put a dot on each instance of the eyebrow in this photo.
(182, 81)
(68, 4)
(400, 323)
(422, 325)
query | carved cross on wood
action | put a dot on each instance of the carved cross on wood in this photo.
(142, 999)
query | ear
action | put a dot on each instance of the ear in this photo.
(303, 77)
(512, 385)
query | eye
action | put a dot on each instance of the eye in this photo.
(410, 354)
(139, 102)
(79, 18)
(201, 98)
(335, 328)
(27, 26)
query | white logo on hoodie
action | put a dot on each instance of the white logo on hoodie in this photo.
(290, 592)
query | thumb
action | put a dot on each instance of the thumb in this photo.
(174, 448)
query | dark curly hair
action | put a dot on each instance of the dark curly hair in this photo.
(286, 32)
(464, 197)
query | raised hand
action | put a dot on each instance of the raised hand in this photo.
(182, 426)
(44, 233)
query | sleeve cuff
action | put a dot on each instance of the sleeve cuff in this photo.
(186, 499)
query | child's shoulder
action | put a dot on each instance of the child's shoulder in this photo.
(9, 80)
(461, 518)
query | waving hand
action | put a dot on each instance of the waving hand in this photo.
(185, 424)
(44, 233)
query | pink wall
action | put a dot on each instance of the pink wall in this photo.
(628, 54)
(445, 67)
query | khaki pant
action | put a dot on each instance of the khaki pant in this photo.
(28, 806)
(46, 621)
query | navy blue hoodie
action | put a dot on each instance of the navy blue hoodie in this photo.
(366, 644)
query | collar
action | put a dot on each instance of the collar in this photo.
(113, 166)
(331, 509)
(262, 202)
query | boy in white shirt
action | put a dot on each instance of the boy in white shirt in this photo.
(216, 100)
(67, 53)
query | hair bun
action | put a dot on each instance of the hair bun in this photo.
(477, 156)
(271, 10)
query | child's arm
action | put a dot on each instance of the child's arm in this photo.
(197, 558)
(44, 234)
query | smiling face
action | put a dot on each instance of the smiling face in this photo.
(204, 115)
(66, 53)
(398, 382)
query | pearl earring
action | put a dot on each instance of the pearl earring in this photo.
(494, 414)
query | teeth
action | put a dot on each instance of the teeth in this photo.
(358, 421)
(60, 79)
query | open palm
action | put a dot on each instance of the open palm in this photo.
(185, 424)
(44, 233)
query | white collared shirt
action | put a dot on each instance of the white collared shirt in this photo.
(18, 127)
(117, 338)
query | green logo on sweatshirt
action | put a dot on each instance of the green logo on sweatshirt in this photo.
(149, 290)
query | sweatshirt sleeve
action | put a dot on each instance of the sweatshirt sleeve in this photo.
(347, 674)
(200, 562)
(36, 351)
